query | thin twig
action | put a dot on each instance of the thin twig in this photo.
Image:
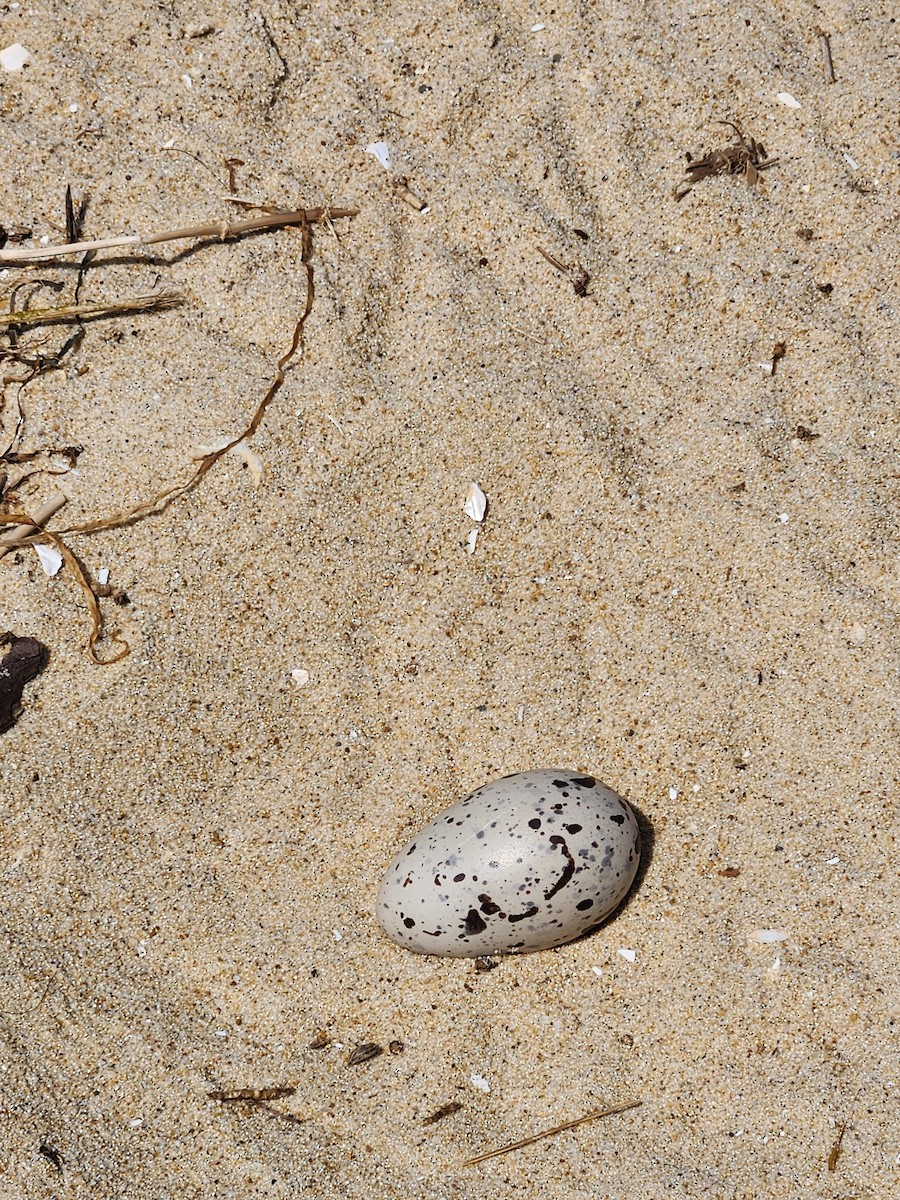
(21, 535)
(252, 1094)
(827, 64)
(155, 302)
(835, 1153)
(219, 229)
(536, 1137)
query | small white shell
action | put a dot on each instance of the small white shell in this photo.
(476, 503)
(524, 863)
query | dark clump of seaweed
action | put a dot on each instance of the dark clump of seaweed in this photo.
(745, 157)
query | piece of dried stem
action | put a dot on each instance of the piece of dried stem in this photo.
(22, 535)
(219, 229)
(154, 302)
(536, 1137)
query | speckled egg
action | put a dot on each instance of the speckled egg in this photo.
(523, 863)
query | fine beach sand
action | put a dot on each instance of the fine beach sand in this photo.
(687, 583)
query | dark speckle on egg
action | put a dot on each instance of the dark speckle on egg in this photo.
(525, 874)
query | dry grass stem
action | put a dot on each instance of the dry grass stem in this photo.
(827, 63)
(22, 535)
(536, 1137)
(835, 1153)
(155, 302)
(219, 229)
(252, 1094)
(577, 275)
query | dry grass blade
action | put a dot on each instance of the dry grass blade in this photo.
(835, 1153)
(827, 61)
(227, 1095)
(155, 302)
(217, 229)
(536, 1137)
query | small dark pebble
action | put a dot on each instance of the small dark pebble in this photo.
(52, 1155)
(485, 964)
(396, 1047)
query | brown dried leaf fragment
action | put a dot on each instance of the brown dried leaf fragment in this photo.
(744, 157)
(806, 435)
(446, 1110)
(24, 659)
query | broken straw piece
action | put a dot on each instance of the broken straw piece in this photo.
(51, 559)
(476, 503)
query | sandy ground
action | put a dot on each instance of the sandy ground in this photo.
(687, 583)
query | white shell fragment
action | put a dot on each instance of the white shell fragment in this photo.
(788, 100)
(381, 151)
(524, 863)
(13, 58)
(51, 559)
(476, 503)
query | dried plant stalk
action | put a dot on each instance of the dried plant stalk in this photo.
(162, 500)
(155, 302)
(219, 229)
(20, 535)
(536, 1137)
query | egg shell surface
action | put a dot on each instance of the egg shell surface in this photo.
(524, 863)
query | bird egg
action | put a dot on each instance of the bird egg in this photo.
(524, 863)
